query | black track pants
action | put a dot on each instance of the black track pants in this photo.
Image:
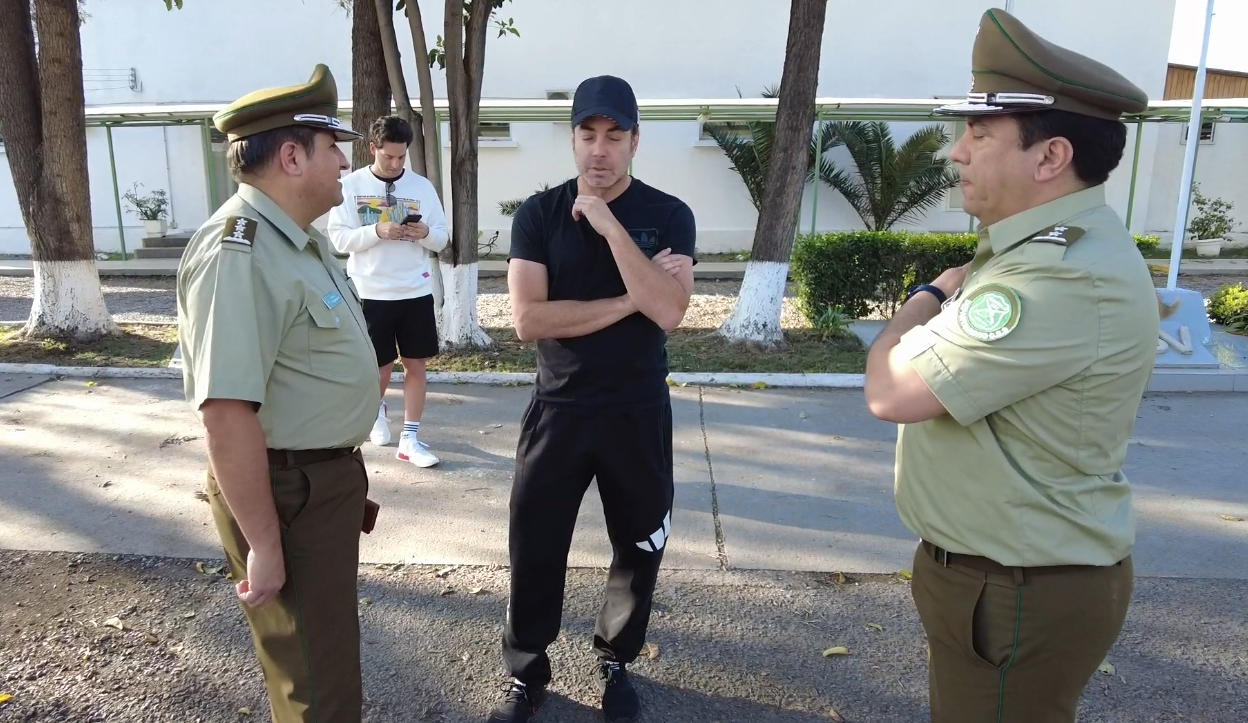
(560, 452)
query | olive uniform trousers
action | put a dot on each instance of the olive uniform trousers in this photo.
(1014, 644)
(308, 638)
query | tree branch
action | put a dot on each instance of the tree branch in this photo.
(433, 153)
(21, 117)
(474, 53)
(398, 84)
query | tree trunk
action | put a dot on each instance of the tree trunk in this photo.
(398, 84)
(41, 118)
(465, 65)
(21, 121)
(433, 150)
(429, 130)
(756, 317)
(370, 93)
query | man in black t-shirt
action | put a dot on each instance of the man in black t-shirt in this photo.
(601, 267)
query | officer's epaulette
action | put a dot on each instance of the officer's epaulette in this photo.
(239, 232)
(1060, 235)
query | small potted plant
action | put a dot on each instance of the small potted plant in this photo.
(152, 208)
(1212, 223)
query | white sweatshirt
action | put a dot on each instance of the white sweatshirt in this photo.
(382, 268)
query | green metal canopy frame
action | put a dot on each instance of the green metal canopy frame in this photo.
(1233, 110)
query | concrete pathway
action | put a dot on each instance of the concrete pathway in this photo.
(766, 479)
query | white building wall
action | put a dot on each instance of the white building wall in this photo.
(665, 48)
(1220, 171)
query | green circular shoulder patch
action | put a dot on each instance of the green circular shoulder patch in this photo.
(990, 312)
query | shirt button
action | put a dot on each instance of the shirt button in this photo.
(336, 321)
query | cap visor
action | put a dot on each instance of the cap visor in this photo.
(974, 109)
(341, 133)
(970, 109)
(621, 119)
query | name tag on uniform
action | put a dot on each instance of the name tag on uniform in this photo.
(332, 299)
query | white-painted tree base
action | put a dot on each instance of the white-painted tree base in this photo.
(460, 325)
(68, 302)
(756, 317)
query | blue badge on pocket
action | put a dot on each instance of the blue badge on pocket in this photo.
(332, 299)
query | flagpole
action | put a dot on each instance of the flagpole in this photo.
(1189, 157)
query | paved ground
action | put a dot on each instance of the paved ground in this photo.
(766, 479)
(779, 487)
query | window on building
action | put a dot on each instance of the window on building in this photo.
(494, 131)
(489, 133)
(737, 129)
(1206, 132)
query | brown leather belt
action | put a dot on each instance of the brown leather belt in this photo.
(984, 564)
(287, 458)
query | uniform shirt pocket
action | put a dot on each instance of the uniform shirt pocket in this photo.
(329, 345)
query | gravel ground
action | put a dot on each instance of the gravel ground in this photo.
(736, 646)
(152, 299)
(147, 299)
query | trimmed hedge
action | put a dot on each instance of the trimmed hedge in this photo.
(861, 271)
(1229, 306)
(1147, 244)
(857, 270)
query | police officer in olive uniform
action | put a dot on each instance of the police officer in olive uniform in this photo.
(1016, 380)
(279, 365)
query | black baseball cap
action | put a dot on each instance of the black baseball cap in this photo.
(608, 96)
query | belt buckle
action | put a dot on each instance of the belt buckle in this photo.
(942, 556)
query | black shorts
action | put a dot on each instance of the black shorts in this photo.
(407, 323)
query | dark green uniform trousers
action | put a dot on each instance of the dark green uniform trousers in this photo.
(1014, 645)
(308, 638)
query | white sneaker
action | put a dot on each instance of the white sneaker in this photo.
(380, 435)
(415, 452)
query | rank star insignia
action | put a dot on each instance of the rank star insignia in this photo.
(242, 231)
(990, 312)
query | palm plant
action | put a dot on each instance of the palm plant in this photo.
(510, 206)
(750, 153)
(892, 185)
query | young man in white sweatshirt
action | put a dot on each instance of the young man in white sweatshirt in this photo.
(390, 266)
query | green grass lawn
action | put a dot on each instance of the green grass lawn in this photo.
(689, 350)
(1235, 253)
(139, 345)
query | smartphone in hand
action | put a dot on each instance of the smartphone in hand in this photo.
(412, 218)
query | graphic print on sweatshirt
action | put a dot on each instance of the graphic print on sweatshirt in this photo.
(375, 209)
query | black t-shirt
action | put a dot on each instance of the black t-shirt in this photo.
(623, 365)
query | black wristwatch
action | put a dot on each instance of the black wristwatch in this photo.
(933, 290)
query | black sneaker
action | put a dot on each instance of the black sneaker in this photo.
(619, 698)
(520, 703)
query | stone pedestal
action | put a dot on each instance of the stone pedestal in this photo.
(1185, 331)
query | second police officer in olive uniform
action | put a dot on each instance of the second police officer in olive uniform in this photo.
(1016, 380)
(278, 363)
